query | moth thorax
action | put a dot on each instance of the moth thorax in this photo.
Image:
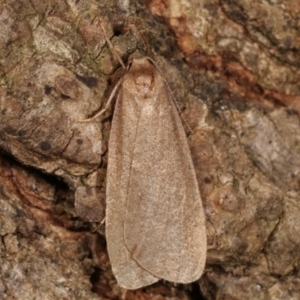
(144, 81)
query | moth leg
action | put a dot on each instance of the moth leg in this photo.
(95, 229)
(102, 222)
(123, 294)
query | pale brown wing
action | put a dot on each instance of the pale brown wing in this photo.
(128, 273)
(164, 224)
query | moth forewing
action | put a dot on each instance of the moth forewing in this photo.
(155, 226)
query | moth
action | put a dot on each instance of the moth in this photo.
(155, 224)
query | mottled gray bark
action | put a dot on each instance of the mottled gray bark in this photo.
(233, 67)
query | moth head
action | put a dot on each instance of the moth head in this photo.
(143, 76)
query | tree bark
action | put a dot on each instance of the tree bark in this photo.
(233, 67)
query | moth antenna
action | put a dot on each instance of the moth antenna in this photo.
(111, 97)
(112, 48)
(187, 124)
(139, 35)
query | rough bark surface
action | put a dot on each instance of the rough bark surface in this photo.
(234, 69)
